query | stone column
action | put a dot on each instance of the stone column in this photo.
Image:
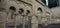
(34, 22)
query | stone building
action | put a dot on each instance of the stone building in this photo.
(23, 11)
(23, 8)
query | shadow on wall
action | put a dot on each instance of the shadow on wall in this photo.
(50, 26)
(39, 26)
(12, 9)
(53, 25)
(18, 26)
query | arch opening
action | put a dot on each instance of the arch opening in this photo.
(21, 10)
(39, 10)
(18, 0)
(12, 9)
(27, 12)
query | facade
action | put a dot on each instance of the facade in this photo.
(22, 11)
(19, 11)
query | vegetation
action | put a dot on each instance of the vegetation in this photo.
(43, 1)
(52, 3)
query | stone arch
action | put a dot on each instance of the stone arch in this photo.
(39, 9)
(12, 9)
(27, 12)
(21, 10)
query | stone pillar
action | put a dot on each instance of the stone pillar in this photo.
(34, 25)
(34, 22)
